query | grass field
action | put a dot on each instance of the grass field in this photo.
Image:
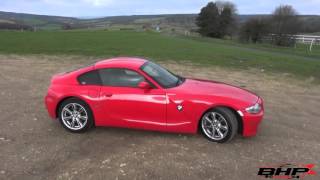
(298, 62)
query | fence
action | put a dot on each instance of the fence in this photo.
(308, 39)
(298, 39)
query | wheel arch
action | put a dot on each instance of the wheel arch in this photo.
(70, 97)
(239, 118)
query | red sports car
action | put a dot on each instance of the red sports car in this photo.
(136, 93)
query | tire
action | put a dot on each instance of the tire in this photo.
(75, 115)
(225, 120)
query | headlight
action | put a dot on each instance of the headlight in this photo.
(255, 109)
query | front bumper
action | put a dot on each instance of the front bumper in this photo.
(251, 122)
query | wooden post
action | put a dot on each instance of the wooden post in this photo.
(311, 44)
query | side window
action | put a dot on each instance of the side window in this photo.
(90, 78)
(120, 77)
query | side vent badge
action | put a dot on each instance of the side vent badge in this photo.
(180, 107)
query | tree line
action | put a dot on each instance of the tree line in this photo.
(218, 20)
(14, 26)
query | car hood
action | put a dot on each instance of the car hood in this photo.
(217, 89)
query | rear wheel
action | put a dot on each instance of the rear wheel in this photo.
(219, 125)
(75, 115)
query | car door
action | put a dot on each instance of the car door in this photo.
(127, 105)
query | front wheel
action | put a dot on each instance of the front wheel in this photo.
(75, 115)
(219, 125)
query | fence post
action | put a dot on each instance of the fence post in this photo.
(311, 44)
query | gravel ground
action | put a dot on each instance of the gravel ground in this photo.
(32, 146)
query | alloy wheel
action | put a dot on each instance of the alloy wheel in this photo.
(74, 116)
(215, 126)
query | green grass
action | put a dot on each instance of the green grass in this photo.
(33, 21)
(50, 27)
(299, 49)
(160, 47)
(315, 34)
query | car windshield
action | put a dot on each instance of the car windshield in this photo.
(165, 78)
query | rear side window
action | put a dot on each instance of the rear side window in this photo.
(90, 78)
(118, 77)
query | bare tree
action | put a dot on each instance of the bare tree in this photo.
(226, 5)
(228, 12)
(254, 30)
(285, 23)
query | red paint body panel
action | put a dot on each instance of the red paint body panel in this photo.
(152, 109)
(133, 107)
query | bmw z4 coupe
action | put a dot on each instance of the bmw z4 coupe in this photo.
(136, 93)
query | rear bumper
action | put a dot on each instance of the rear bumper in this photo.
(50, 103)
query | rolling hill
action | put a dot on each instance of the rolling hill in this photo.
(170, 22)
(36, 21)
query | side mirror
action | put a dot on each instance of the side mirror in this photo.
(144, 85)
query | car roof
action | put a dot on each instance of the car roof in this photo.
(121, 62)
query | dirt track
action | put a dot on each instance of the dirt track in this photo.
(32, 146)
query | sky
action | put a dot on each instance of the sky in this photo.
(100, 8)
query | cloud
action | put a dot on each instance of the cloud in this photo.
(81, 8)
(99, 2)
(95, 3)
(57, 2)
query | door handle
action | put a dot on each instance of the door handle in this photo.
(107, 94)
